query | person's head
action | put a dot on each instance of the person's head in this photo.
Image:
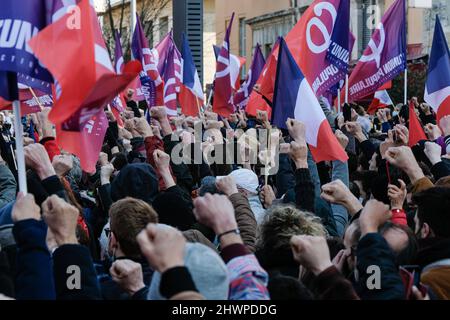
(208, 272)
(128, 217)
(283, 287)
(284, 221)
(207, 185)
(246, 181)
(174, 209)
(130, 93)
(359, 110)
(432, 217)
(401, 240)
(137, 180)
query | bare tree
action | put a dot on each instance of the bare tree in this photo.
(148, 10)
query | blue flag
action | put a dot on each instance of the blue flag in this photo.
(19, 22)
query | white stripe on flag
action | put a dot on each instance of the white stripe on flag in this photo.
(170, 97)
(436, 98)
(102, 57)
(119, 65)
(171, 112)
(308, 110)
(223, 60)
(169, 82)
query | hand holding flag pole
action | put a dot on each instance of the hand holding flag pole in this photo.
(20, 156)
(36, 98)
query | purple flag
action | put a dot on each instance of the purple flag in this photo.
(241, 97)
(171, 80)
(152, 85)
(339, 51)
(385, 55)
(118, 53)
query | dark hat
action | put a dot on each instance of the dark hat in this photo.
(137, 180)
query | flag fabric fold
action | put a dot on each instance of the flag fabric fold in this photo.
(309, 41)
(223, 89)
(152, 83)
(294, 98)
(380, 100)
(241, 97)
(385, 56)
(437, 87)
(416, 132)
(191, 93)
(81, 92)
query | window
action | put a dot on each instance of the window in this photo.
(242, 43)
(267, 49)
(163, 27)
(148, 31)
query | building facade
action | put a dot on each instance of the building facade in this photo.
(157, 22)
(262, 21)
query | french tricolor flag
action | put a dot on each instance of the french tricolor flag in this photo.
(191, 93)
(294, 98)
(437, 87)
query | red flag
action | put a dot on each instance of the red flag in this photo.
(380, 100)
(265, 81)
(87, 143)
(80, 63)
(416, 132)
(28, 103)
(308, 42)
(86, 80)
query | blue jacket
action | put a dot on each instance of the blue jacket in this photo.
(34, 265)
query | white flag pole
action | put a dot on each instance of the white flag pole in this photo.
(405, 89)
(346, 88)
(133, 19)
(339, 100)
(20, 156)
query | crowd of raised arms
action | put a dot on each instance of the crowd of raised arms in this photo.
(283, 227)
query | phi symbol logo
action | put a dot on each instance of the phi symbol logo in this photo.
(376, 50)
(318, 23)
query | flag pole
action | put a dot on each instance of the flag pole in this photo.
(405, 87)
(200, 113)
(267, 166)
(339, 100)
(36, 98)
(210, 95)
(20, 156)
(346, 88)
(133, 18)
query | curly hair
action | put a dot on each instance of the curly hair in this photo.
(282, 222)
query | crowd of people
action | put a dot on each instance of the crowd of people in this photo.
(282, 227)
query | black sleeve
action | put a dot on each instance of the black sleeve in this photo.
(440, 169)
(376, 259)
(112, 134)
(181, 171)
(367, 148)
(304, 190)
(141, 294)
(176, 280)
(134, 106)
(54, 186)
(285, 175)
(74, 273)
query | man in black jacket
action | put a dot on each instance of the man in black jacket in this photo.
(128, 217)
